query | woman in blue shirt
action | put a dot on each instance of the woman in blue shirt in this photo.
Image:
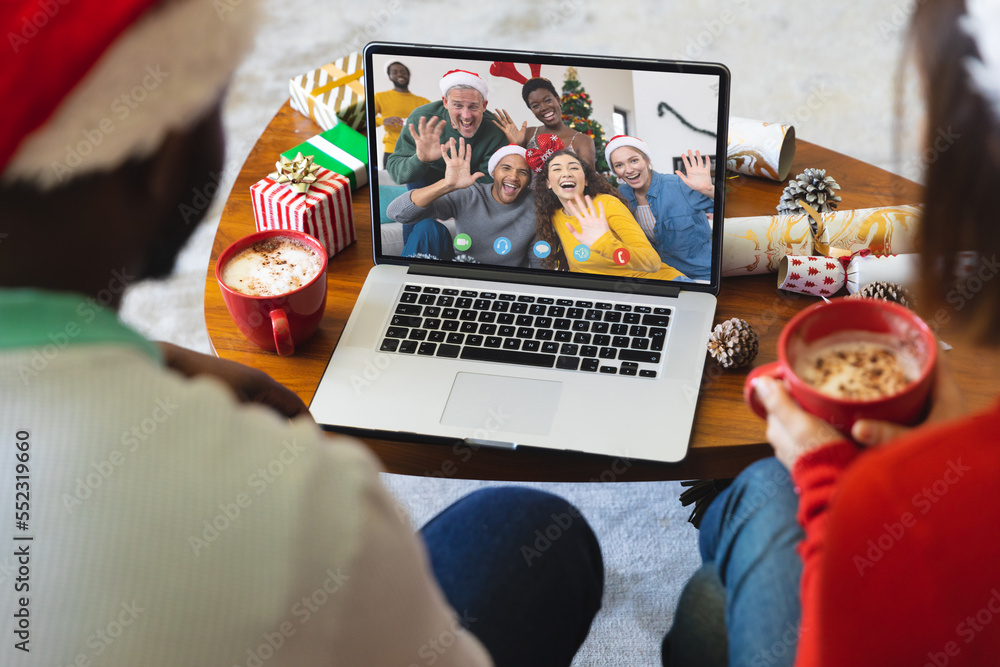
(674, 210)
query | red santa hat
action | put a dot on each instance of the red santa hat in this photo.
(87, 89)
(461, 77)
(509, 149)
(620, 140)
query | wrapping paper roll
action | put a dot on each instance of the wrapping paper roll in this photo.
(761, 149)
(756, 244)
(884, 231)
(819, 276)
(900, 269)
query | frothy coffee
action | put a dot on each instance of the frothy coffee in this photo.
(272, 266)
(859, 370)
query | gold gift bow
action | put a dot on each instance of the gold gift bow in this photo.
(299, 173)
(818, 231)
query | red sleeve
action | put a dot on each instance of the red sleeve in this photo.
(816, 475)
(901, 550)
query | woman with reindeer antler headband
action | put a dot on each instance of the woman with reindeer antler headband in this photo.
(544, 102)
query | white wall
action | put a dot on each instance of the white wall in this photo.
(638, 93)
(607, 88)
(693, 96)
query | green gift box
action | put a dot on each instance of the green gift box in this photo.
(340, 149)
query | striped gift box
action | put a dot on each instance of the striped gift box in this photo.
(339, 149)
(332, 92)
(324, 212)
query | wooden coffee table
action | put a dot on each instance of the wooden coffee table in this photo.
(726, 435)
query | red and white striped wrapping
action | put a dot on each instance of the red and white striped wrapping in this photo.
(324, 212)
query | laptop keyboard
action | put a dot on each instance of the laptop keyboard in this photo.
(615, 338)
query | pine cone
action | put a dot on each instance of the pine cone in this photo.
(733, 343)
(813, 187)
(893, 292)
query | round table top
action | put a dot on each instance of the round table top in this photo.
(726, 435)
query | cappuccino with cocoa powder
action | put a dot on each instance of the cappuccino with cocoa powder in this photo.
(857, 366)
(271, 267)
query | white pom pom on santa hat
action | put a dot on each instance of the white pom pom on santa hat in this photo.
(501, 153)
(91, 90)
(461, 77)
(620, 140)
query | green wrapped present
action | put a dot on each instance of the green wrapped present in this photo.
(340, 149)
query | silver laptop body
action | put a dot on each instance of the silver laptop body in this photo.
(368, 390)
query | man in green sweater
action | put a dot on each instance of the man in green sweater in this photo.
(461, 113)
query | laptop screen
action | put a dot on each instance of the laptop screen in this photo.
(548, 164)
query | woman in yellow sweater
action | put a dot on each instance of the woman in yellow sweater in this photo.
(588, 226)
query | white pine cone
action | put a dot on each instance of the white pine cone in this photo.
(813, 187)
(887, 291)
(733, 343)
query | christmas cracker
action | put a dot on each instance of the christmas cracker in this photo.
(825, 276)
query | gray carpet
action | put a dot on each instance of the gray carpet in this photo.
(827, 68)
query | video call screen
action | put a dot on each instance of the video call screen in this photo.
(656, 225)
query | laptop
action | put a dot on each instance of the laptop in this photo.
(490, 345)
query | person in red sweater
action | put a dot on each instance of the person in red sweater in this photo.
(899, 565)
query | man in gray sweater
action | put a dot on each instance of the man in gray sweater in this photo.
(494, 224)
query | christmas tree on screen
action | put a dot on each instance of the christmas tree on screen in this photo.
(576, 110)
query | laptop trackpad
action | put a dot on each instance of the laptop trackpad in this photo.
(492, 403)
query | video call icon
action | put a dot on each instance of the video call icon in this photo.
(542, 249)
(502, 245)
(581, 253)
(463, 242)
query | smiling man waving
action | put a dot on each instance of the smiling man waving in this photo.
(459, 115)
(499, 219)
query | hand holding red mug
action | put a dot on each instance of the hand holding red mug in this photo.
(793, 432)
(801, 416)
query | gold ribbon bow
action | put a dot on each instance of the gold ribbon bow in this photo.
(299, 173)
(819, 232)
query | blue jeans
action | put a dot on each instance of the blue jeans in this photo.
(430, 237)
(526, 566)
(742, 607)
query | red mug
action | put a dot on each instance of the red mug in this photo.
(844, 315)
(276, 323)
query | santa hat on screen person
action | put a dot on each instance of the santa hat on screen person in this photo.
(90, 87)
(501, 153)
(620, 140)
(461, 77)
